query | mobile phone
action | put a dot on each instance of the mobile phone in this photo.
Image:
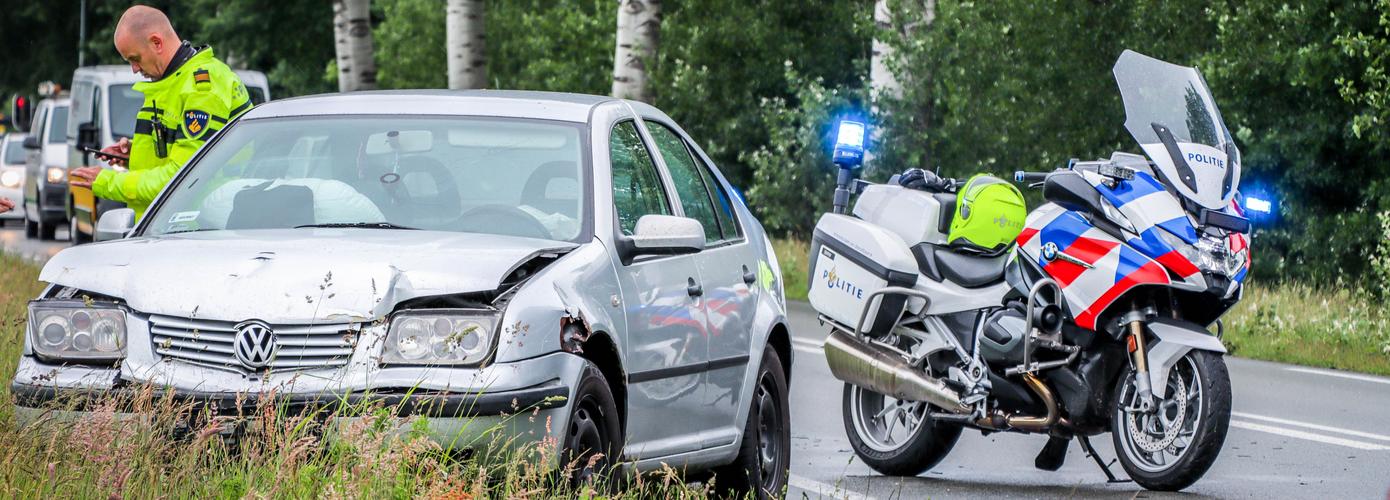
(102, 154)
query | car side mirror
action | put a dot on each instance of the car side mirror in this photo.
(115, 224)
(663, 235)
(31, 142)
(87, 136)
(1071, 191)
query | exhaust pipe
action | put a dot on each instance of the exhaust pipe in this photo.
(880, 370)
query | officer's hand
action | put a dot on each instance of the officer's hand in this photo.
(121, 147)
(84, 176)
(6, 205)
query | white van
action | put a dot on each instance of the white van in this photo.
(45, 169)
(104, 104)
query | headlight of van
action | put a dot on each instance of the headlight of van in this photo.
(76, 331)
(440, 337)
(57, 174)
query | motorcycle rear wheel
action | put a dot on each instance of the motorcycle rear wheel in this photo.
(1171, 447)
(895, 438)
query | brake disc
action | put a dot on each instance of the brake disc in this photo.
(1149, 442)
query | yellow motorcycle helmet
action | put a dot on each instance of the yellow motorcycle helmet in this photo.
(989, 215)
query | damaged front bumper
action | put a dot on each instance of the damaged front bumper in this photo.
(522, 402)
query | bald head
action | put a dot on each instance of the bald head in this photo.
(146, 40)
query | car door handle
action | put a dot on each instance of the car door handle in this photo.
(694, 289)
(749, 276)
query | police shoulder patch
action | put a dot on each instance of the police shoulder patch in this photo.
(202, 76)
(195, 123)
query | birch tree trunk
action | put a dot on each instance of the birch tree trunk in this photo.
(352, 33)
(639, 32)
(889, 19)
(467, 53)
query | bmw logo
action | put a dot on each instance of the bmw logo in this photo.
(1049, 251)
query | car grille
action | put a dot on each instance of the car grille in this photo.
(298, 347)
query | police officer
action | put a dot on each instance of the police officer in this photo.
(190, 97)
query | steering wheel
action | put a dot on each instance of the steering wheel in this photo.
(503, 219)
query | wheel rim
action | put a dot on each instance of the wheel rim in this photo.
(885, 424)
(771, 449)
(584, 439)
(1157, 440)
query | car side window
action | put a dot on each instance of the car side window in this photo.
(637, 189)
(723, 207)
(690, 185)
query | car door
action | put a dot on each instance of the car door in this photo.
(667, 350)
(728, 266)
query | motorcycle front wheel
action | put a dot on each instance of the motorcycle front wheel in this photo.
(1171, 446)
(895, 437)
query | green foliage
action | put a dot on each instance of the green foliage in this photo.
(1311, 325)
(720, 58)
(409, 44)
(793, 178)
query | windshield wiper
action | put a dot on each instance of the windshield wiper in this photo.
(363, 225)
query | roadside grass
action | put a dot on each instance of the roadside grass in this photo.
(105, 453)
(791, 257)
(1312, 326)
(1288, 323)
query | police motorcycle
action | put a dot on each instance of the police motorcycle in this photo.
(951, 307)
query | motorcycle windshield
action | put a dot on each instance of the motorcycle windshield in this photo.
(1170, 111)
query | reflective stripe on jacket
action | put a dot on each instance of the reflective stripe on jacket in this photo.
(181, 111)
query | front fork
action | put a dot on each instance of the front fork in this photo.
(1144, 401)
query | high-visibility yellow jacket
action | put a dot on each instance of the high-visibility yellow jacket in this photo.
(182, 110)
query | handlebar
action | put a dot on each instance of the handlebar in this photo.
(1030, 177)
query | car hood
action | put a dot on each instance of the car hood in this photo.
(291, 276)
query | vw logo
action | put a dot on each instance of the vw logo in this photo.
(254, 344)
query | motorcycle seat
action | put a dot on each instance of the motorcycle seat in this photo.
(960, 266)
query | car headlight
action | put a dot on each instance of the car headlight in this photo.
(1210, 254)
(440, 337)
(77, 331)
(57, 174)
(11, 178)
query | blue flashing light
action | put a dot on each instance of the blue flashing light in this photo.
(849, 143)
(1258, 205)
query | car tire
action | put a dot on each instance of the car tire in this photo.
(31, 228)
(763, 465)
(48, 231)
(593, 428)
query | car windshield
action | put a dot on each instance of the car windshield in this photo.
(14, 153)
(57, 130)
(465, 174)
(125, 104)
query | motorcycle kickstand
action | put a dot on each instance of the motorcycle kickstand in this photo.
(1091, 452)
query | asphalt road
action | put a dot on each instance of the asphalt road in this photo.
(1295, 433)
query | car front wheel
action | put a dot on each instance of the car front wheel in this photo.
(593, 439)
(764, 456)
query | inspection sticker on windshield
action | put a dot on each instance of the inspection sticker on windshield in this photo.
(183, 217)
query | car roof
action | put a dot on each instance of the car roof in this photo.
(503, 103)
(117, 73)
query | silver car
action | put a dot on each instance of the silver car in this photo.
(471, 254)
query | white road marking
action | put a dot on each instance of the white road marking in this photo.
(1350, 443)
(821, 489)
(1332, 373)
(1328, 428)
(808, 349)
